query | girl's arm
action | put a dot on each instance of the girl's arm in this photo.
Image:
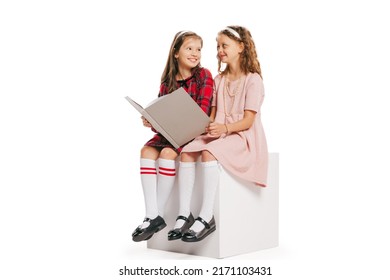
(244, 124)
(216, 129)
(212, 114)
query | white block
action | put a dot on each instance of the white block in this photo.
(246, 215)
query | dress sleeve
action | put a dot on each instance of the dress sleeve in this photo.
(254, 93)
(163, 90)
(217, 82)
(205, 96)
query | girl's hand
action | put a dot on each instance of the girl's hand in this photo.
(216, 129)
(145, 122)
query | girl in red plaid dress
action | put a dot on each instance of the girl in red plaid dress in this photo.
(158, 155)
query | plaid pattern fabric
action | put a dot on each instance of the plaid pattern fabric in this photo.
(200, 87)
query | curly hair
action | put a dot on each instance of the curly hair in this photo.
(249, 63)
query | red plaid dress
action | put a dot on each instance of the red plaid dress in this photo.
(200, 87)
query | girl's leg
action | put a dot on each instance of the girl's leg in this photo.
(165, 178)
(186, 184)
(210, 169)
(149, 181)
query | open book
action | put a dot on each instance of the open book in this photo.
(176, 116)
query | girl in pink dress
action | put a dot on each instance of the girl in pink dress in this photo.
(235, 138)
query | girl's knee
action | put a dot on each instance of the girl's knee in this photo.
(149, 152)
(207, 156)
(189, 157)
(168, 153)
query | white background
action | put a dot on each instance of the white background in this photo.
(69, 155)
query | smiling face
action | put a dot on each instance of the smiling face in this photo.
(228, 50)
(189, 54)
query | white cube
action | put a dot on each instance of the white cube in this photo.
(246, 216)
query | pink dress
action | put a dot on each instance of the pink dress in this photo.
(244, 153)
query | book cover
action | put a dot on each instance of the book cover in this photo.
(176, 116)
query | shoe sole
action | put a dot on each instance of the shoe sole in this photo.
(174, 238)
(200, 239)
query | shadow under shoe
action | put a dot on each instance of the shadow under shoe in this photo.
(155, 225)
(193, 236)
(177, 233)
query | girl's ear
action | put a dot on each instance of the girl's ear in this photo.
(242, 47)
(175, 53)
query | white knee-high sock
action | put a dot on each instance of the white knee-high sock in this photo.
(186, 180)
(211, 173)
(165, 181)
(149, 186)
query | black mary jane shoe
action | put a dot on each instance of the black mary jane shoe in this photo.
(193, 236)
(177, 233)
(155, 225)
(136, 231)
